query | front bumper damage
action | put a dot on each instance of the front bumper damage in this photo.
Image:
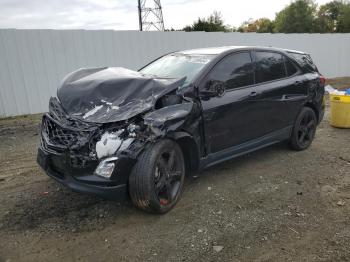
(71, 151)
(84, 180)
(67, 154)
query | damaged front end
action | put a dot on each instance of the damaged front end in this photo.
(93, 149)
(68, 153)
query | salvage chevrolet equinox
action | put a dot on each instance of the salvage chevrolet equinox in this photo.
(115, 133)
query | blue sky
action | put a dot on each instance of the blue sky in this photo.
(122, 14)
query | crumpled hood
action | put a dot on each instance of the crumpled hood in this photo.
(111, 94)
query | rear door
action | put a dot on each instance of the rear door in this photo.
(280, 87)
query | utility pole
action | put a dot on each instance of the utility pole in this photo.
(150, 15)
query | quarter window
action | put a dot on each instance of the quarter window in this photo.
(291, 69)
(269, 66)
(305, 61)
(235, 71)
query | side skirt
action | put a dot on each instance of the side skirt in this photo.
(247, 147)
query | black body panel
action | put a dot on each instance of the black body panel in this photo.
(244, 148)
(235, 118)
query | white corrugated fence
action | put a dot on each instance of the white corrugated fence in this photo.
(32, 62)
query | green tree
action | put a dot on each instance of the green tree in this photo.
(343, 25)
(261, 25)
(247, 26)
(298, 17)
(265, 25)
(328, 17)
(213, 23)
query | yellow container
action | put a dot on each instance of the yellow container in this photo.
(340, 111)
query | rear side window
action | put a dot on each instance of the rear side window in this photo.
(290, 67)
(235, 71)
(269, 66)
(305, 61)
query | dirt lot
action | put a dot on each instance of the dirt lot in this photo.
(272, 205)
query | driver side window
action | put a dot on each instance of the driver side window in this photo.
(234, 71)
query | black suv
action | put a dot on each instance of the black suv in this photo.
(114, 132)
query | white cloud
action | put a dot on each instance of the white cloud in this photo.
(122, 14)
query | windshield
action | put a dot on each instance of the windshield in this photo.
(177, 65)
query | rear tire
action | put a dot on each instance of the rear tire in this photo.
(304, 129)
(156, 181)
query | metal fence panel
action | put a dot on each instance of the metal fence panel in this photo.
(33, 62)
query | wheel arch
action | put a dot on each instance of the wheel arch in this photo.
(189, 148)
(314, 108)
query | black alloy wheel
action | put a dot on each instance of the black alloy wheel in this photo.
(167, 177)
(304, 129)
(156, 181)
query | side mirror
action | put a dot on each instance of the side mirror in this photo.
(213, 88)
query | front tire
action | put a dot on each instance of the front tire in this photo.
(156, 181)
(304, 129)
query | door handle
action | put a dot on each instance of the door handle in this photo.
(298, 83)
(254, 94)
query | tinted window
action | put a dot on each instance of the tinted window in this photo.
(235, 71)
(291, 69)
(269, 66)
(305, 61)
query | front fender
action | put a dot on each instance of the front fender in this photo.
(169, 118)
(180, 123)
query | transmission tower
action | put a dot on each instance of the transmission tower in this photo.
(150, 15)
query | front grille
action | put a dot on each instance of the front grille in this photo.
(60, 139)
(60, 136)
(63, 135)
(80, 161)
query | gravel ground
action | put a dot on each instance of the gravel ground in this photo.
(271, 205)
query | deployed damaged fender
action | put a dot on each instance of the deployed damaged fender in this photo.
(169, 118)
(104, 95)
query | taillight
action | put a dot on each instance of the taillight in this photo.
(322, 80)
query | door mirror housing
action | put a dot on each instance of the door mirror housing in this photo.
(213, 88)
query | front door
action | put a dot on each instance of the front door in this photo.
(236, 115)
